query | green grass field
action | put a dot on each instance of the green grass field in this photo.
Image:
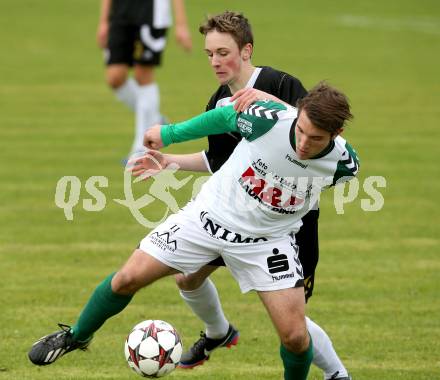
(378, 283)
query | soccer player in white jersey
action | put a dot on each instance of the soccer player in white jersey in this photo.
(272, 186)
(229, 46)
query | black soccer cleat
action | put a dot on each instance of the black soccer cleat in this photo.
(51, 347)
(336, 377)
(201, 349)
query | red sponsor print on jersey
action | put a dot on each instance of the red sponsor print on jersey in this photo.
(267, 193)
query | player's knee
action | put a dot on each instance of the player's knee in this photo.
(295, 340)
(143, 75)
(125, 282)
(116, 79)
(189, 282)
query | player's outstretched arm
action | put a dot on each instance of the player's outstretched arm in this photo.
(103, 25)
(153, 162)
(183, 36)
(191, 162)
(147, 165)
(214, 122)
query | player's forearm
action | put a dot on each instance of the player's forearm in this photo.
(179, 13)
(214, 122)
(104, 16)
(191, 162)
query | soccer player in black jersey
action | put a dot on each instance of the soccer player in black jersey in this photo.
(133, 34)
(229, 46)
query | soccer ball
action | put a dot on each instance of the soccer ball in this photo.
(153, 348)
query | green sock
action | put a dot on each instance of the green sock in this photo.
(102, 305)
(296, 366)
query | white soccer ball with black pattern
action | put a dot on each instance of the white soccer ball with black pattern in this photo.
(153, 348)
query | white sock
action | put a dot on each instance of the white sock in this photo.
(127, 93)
(324, 355)
(147, 113)
(205, 303)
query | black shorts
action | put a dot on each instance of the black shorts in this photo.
(307, 241)
(135, 44)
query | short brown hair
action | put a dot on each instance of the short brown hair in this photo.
(326, 107)
(232, 23)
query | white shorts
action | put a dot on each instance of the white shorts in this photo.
(190, 239)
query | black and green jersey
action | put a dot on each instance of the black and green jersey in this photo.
(264, 188)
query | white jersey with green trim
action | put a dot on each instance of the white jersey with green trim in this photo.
(264, 189)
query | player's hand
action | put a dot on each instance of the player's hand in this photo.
(183, 37)
(147, 165)
(152, 138)
(102, 34)
(246, 96)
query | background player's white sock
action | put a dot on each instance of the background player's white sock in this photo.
(147, 113)
(127, 93)
(324, 355)
(205, 303)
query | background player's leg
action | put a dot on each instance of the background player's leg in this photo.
(147, 104)
(127, 93)
(324, 355)
(204, 301)
(201, 295)
(125, 88)
(286, 310)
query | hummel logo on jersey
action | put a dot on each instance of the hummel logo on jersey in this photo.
(259, 111)
(296, 162)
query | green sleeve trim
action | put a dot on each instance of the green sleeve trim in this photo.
(270, 105)
(353, 153)
(255, 121)
(342, 172)
(347, 168)
(214, 122)
(258, 119)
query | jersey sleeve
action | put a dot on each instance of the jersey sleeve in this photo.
(216, 121)
(259, 118)
(255, 121)
(348, 166)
